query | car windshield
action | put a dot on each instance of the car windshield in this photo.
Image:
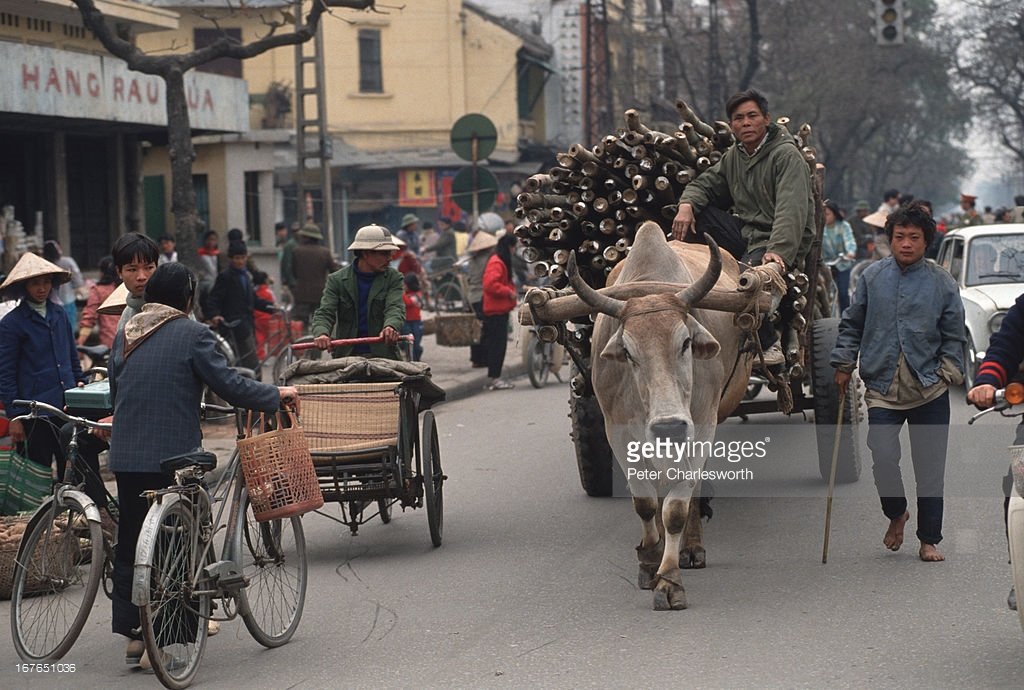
(995, 259)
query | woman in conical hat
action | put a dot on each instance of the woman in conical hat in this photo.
(38, 358)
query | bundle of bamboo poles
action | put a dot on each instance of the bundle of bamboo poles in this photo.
(593, 201)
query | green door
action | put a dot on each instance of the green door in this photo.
(156, 206)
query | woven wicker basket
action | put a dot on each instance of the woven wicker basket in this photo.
(457, 330)
(349, 417)
(279, 472)
(9, 553)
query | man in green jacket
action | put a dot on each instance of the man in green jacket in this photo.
(363, 299)
(766, 182)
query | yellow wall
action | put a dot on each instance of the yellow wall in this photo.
(439, 63)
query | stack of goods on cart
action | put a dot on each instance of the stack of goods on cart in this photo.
(594, 200)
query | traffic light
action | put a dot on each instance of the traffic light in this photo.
(889, 22)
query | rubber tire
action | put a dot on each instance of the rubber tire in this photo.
(384, 509)
(826, 407)
(178, 513)
(594, 457)
(538, 365)
(433, 478)
(37, 529)
(970, 365)
(250, 601)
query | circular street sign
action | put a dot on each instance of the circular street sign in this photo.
(486, 188)
(474, 127)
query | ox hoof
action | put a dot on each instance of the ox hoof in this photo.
(669, 594)
(647, 576)
(693, 559)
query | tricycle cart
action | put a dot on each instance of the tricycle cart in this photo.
(362, 420)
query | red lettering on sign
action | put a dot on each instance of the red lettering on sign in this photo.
(133, 91)
(74, 85)
(29, 76)
(53, 80)
(92, 85)
(193, 98)
(118, 88)
(208, 101)
(152, 92)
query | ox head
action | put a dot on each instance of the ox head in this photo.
(657, 340)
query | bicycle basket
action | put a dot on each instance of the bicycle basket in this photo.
(279, 472)
(457, 330)
(12, 529)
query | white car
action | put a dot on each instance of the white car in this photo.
(987, 262)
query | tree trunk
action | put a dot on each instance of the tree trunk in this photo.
(182, 154)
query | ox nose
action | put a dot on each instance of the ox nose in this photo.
(674, 429)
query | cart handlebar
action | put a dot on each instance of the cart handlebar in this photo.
(373, 340)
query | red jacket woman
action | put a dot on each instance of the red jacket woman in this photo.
(499, 300)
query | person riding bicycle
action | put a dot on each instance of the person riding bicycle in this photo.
(1002, 364)
(363, 299)
(159, 366)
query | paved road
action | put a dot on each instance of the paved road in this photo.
(534, 585)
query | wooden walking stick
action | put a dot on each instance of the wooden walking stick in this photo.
(832, 474)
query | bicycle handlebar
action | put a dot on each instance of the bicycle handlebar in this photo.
(1004, 399)
(373, 340)
(35, 406)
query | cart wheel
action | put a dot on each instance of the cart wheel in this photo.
(384, 508)
(433, 478)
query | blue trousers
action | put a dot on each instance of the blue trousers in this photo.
(929, 436)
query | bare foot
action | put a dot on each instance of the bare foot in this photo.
(930, 554)
(893, 539)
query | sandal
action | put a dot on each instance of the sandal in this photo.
(500, 385)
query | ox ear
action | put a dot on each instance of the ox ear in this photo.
(614, 349)
(703, 343)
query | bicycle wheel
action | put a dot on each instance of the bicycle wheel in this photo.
(174, 617)
(55, 580)
(449, 297)
(272, 556)
(538, 362)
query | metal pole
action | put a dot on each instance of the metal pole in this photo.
(326, 147)
(476, 201)
(832, 473)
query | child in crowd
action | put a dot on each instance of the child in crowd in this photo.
(413, 299)
(167, 251)
(264, 323)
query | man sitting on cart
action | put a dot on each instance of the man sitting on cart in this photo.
(363, 299)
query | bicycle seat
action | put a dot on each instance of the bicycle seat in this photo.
(202, 459)
(94, 351)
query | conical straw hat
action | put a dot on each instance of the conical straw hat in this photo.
(115, 302)
(30, 266)
(482, 240)
(877, 219)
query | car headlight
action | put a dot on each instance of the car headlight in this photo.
(995, 321)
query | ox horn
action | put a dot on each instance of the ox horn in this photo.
(695, 292)
(590, 296)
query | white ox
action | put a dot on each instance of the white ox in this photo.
(662, 369)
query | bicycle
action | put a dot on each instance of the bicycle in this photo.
(446, 289)
(62, 558)
(260, 575)
(279, 344)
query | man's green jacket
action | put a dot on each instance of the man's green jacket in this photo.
(338, 313)
(770, 192)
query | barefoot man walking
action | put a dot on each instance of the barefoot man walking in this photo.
(906, 322)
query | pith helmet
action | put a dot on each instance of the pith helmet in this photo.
(32, 266)
(409, 218)
(311, 230)
(374, 238)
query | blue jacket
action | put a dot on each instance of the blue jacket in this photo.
(1005, 350)
(38, 357)
(917, 311)
(157, 390)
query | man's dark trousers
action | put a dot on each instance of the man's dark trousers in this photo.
(929, 436)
